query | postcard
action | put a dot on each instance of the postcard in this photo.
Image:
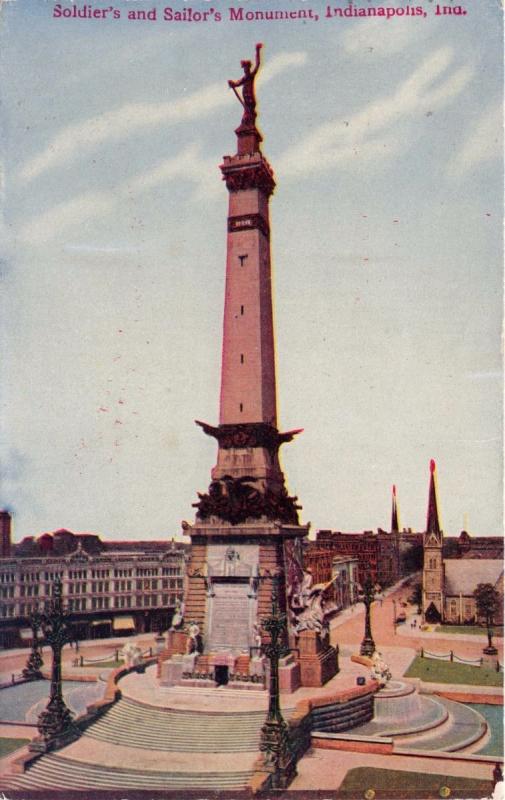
(281, 219)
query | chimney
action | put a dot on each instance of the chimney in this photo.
(5, 534)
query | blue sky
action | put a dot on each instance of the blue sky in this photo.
(385, 139)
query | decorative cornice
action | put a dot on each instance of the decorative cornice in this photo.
(248, 434)
(241, 174)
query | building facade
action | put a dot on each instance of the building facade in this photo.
(111, 588)
(377, 553)
(345, 582)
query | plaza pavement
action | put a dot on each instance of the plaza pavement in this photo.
(326, 769)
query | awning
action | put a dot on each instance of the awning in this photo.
(101, 622)
(26, 633)
(123, 623)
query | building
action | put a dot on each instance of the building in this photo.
(454, 567)
(345, 581)
(377, 553)
(110, 588)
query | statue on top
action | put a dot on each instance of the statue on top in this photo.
(248, 98)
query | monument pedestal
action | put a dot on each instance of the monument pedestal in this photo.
(318, 659)
(289, 675)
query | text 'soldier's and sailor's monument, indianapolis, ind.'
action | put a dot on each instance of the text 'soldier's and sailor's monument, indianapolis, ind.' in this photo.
(246, 541)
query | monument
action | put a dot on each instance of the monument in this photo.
(246, 532)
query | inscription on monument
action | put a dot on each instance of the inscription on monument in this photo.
(231, 615)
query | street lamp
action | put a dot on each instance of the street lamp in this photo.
(32, 668)
(279, 758)
(367, 596)
(56, 719)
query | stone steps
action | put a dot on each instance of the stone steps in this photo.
(177, 731)
(132, 724)
(57, 772)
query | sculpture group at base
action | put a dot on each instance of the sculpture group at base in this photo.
(380, 671)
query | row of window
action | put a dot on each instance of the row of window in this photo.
(83, 574)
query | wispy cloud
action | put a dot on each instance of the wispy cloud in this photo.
(483, 144)
(382, 40)
(71, 142)
(494, 375)
(81, 209)
(373, 131)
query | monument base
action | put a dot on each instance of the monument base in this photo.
(289, 675)
(318, 659)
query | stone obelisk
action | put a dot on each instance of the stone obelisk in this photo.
(246, 532)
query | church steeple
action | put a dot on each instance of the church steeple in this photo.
(432, 517)
(433, 569)
(395, 517)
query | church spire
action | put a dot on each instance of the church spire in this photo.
(432, 519)
(395, 517)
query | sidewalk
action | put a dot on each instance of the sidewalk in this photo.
(326, 769)
(404, 629)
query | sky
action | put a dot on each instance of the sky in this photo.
(385, 139)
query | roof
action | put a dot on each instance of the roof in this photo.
(149, 546)
(463, 575)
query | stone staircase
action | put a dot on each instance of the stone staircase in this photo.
(56, 772)
(133, 724)
(168, 737)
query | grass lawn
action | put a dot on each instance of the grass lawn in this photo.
(471, 630)
(430, 669)
(390, 783)
(8, 745)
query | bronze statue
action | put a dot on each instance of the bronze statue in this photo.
(248, 99)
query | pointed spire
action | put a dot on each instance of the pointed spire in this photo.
(432, 520)
(395, 520)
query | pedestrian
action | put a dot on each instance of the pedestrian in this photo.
(497, 775)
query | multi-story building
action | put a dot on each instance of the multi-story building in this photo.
(110, 588)
(345, 581)
(377, 553)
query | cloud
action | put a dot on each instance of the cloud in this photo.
(483, 144)
(491, 375)
(382, 40)
(71, 142)
(374, 131)
(81, 209)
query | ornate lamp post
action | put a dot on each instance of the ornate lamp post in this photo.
(279, 758)
(32, 669)
(367, 595)
(56, 719)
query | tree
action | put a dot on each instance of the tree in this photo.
(487, 600)
(416, 598)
